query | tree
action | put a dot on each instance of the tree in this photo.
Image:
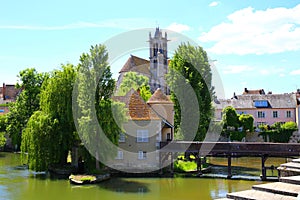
(56, 101)
(39, 140)
(190, 66)
(2, 130)
(230, 118)
(132, 80)
(56, 106)
(246, 121)
(26, 104)
(95, 87)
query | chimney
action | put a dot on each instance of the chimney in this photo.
(4, 91)
(138, 91)
(246, 90)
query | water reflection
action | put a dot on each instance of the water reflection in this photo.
(23, 184)
(125, 186)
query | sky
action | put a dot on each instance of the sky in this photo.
(252, 44)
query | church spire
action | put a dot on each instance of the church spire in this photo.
(158, 60)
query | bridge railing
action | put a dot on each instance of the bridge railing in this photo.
(236, 148)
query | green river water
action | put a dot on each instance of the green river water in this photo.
(23, 184)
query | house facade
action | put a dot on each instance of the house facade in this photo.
(149, 123)
(8, 93)
(265, 108)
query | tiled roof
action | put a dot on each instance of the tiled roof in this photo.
(138, 109)
(136, 64)
(159, 97)
(246, 101)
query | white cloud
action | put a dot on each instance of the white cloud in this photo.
(295, 72)
(272, 71)
(250, 31)
(237, 69)
(214, 3)
(178, 27)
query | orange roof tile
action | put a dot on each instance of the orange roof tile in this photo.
(138, 109)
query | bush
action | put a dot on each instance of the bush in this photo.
(237, 135)
(280, 133)
(184, 166)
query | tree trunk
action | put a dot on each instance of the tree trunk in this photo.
(97, 162)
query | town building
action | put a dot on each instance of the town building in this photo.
(266, 108)
(8, 93)
(149, 123)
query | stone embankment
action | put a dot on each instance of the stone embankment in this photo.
(287, 188)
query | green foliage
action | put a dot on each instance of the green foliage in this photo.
(190, 66)
(132, 80)
(279, 132)
(26, 104)
(230, 118)
(2, 139)
(289, 126)
(246, 121)
(39, 140)
(94, 75)
(3, 123)
(184, 166)
(236, 135)
(5, 104)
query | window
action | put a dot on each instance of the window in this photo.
(142, 155)
(261, 114)
(122, 137)
(261, 123)
(142, 136)
(288, 114)
(169, 137)
(119, 155)
(261, 103)
(275, 114)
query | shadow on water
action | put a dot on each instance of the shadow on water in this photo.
(125, 186)
(2, 155)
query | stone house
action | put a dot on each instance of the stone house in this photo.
(149, 123)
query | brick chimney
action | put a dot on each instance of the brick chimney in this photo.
(4, 91)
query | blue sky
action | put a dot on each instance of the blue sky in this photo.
(256, 44)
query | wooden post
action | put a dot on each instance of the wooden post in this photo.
(160, 163)
(263, 168)
(229, 174)
(199, 163)
(172, 164)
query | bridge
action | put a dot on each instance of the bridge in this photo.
(232, 149)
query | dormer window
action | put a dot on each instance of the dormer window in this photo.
(261, 103)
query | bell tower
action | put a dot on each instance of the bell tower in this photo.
(158, 61)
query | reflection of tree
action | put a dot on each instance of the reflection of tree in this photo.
(126, 186)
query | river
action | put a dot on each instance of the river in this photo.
(23, 184)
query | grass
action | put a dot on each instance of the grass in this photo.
(183, 164)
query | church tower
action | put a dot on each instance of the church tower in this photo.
(158, 61)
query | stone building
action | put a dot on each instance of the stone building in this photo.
(155, 68)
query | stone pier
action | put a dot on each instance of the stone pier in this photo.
(287, 188)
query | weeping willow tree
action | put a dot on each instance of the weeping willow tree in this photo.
(39, 140)
(50, 133)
